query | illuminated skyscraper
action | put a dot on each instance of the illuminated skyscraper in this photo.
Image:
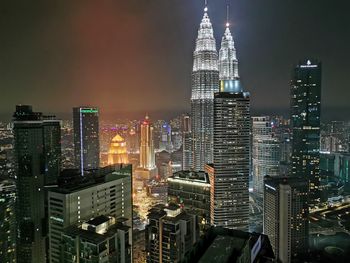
(117, 151)
(187, 152)
(147, 157)
(205, 82)
(228, 63)
(86, 138)
(35, 145)
(305, 119)
(266, 152)
(147, 168)
(232, 127)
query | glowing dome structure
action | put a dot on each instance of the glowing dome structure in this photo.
(117, 151)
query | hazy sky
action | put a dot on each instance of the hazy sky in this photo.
(136, 55)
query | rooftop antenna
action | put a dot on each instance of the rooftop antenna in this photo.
(227, 15)
(205, 5)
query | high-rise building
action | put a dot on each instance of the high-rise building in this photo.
(305, 123)
(230, 170)
(117, 151)
(187, 151)
(147, 168)
(86, 138)
(191, 190)
(170, 234)
(7, 222)
(205, 82)
(147, 156)
(106, 191)
(37, 144)
(101, 240)
(265, 152)
(286, 216)
(165, 143)
(52, 149)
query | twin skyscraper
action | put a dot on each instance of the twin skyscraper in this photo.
(220, 127)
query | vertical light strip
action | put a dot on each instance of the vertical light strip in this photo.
(81, 142)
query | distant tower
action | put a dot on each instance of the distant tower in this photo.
(187, 151)
(266, 152)
(147, 157)
(117, 151)
(147, 169)
(205, 80)
(230, 172)
(86, 138)
(305, 123)
(228, 62)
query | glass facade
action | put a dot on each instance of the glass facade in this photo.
(305, 123)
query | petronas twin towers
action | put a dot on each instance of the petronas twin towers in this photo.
(208, 69)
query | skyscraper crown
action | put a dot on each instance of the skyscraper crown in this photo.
(228, 63)
(205, 43)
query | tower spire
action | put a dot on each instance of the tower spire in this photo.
(205, 5)
(227, 15)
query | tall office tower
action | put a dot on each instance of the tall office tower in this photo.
(147, 168)
(147, 156)
(230, 170)
(266, 152)
(286, 216)
(106, 191)
(205, 82)
(36, 145)
(191, 190)
(7, 222)
(86, 138)
(118, 151)
(170, 234)
(165, 138)
(101, 240)
(187, 151)
(305, 123)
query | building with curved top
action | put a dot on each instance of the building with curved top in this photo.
(117, 152)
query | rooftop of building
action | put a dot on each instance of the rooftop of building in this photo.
(26, 113)
(227, 245)
(275, 181)
(170, 212)
(97, 229)
(200, 177)
(71, 180)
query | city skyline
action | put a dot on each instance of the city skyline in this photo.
(224, 166)
(58, 62)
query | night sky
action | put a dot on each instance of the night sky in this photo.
(136, 55)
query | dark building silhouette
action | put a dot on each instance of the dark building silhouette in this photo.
(37, 158)
(305, 122)
(86, 138)
(228, 246)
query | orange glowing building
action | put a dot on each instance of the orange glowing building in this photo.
(117, 151)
